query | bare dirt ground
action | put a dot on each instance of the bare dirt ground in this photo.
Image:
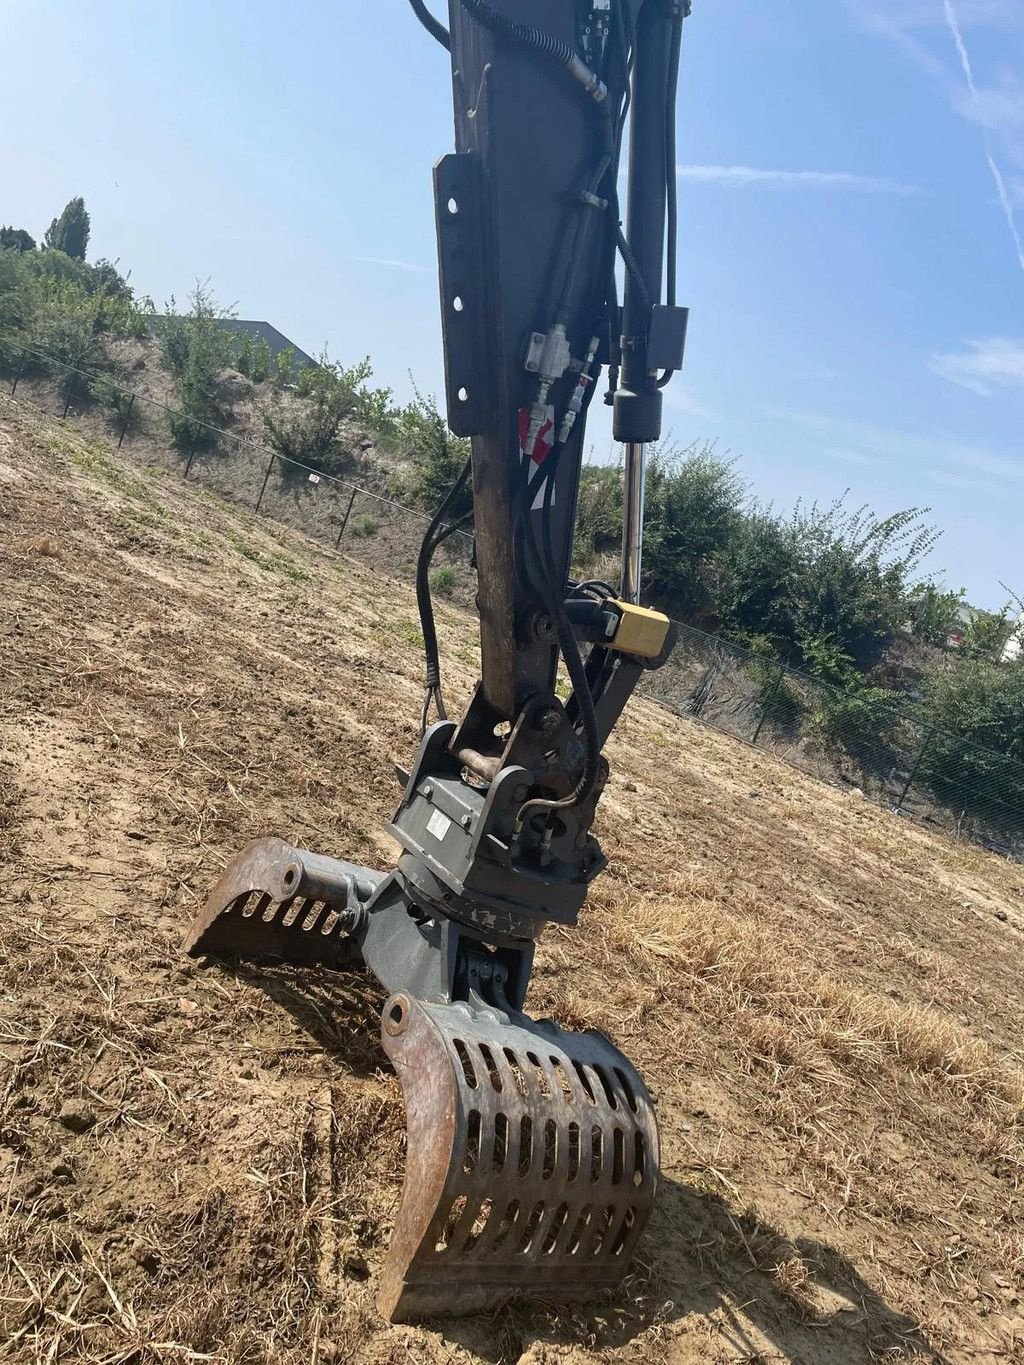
(203, 1164)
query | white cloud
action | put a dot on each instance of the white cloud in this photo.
(744, 177)
(681, 398)
(989, 111)
(995, 362)
(390, 264)
(924, 450)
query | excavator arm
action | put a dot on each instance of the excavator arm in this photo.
(533, 1151)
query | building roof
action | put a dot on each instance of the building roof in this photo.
(277, 341)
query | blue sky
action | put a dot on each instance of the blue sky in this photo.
(852, 216)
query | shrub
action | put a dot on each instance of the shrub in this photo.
(435, 457)
(975, 760)
(16, 239)
(307, 426)
(364, 526)
(195, 348)
(442, 581)
(865, 722)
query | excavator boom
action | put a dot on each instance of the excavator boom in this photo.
(532, 1151)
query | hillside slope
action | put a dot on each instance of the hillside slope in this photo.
(204, 1163)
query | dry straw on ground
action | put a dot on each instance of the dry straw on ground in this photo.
(203, 1164)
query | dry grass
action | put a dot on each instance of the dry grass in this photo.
(204, 1164)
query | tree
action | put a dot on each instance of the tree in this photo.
(16, 239)
(70, 232)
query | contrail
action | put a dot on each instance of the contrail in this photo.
(997, 175)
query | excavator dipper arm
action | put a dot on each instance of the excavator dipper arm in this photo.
(533, 1151)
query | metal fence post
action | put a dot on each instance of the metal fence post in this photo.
(188, 464)
(344, 520)
(266, 480)
(769, 702)
(926, 743)
(21, 366)
(125, 420)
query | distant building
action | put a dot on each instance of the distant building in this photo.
(276, 341)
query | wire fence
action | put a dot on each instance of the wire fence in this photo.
(889, 752)
(365, 522)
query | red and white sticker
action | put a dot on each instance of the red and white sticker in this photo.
(542, 445)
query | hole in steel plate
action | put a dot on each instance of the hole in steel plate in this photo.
(479, 1223)
(596, 1152)
(270, 912)
(455, 1213)
(292, 912)
(311, 916)
(618, 1245)
(574, 1150)
(639, 1160)
(291, 876)
(491, 1066)
(463, 395)
(472, 1154)
(550, 1148)
(541, 1076)
(517, 1072)
(467, 1066)
(606, 1086)
(507, 1224)
(627, 1088)
(532, 1224)
(330, 923)
(255, 907)
(397, 1012)
(578, 1232)
(525, 1144)
(457, 303)
(562, 1079)
(581, 1071)
(453, 206)
(500, 1141)
(553, 1232)
(618, 1155)
(601, 1231)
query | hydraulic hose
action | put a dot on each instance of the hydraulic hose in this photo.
(537, 41)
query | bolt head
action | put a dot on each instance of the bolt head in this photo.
(549, 720)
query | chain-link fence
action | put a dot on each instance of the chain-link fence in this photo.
(365, 523)
(887, 751)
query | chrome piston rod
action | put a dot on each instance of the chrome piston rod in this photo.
(633, 521)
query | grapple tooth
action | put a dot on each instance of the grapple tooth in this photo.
(532, 1161)
(277, 901)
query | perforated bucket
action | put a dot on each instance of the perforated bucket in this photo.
(532, 1161)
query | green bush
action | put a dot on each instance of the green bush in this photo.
(442, 581)
(364, 526)
(434, 457)
(975, 760)
(195, 349)
(16, 239)
(307, 426)
(865, 722)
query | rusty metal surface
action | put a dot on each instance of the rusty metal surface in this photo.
(277, 901)
(532, 1161)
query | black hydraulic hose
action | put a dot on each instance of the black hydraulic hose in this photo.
(537, 41)
(433, 26)
(429, 544)
(524, 34)
(671, 184)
